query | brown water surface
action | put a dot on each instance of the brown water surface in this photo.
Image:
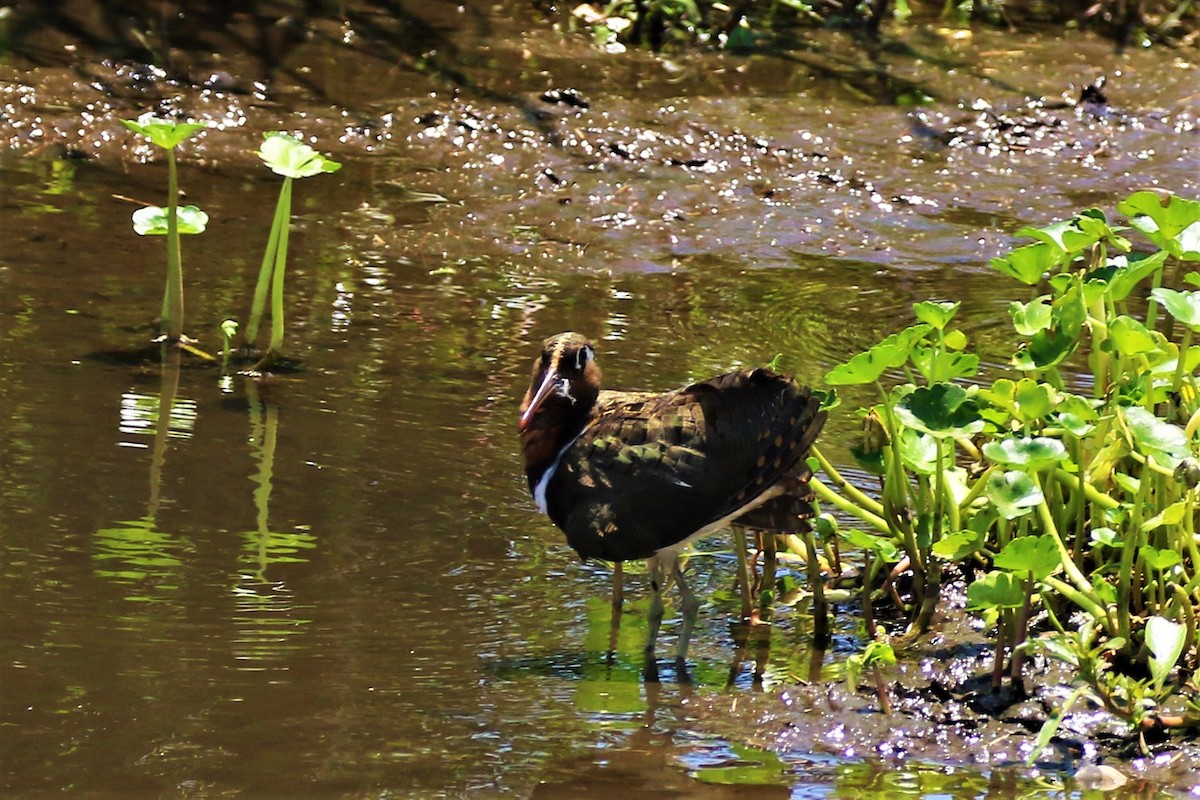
(333, 582)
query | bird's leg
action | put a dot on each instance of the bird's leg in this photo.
(689, 606)
(618, 592)
(654, 617)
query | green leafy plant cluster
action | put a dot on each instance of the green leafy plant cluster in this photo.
(1064, 499)
(284, 155)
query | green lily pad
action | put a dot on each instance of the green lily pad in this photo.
(1038, 555)
(152, 220)
(1026, 452)
(1014, 493)
(292, 158)
(942, 410)
(165, 133)
(1183, 306)
(867, 366)
(996, 589)
(1029, 318)
(936, 315)
(1156, 438)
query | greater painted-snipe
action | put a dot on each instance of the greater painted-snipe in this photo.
(632, 475)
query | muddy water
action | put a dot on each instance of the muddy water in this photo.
(333, 583)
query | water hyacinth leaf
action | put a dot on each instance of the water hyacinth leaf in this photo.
(996, 589)
(942, 410)
(1046, 349)
(1156, 438)
(1166, 640)
(1130, 337)
(1025, 555)
(1026, 452)
(936, 315)
(954, 547)
(164, 133)
(1002, 394)
(1183, 306)
(1027, 264)
(1013, 493)
(866, 367)
(955, 340)
(288, 156)
(152, 220)
(1133, 270)
(1029, 318)
(1189, 242)
(1104, 590)
(942, 365)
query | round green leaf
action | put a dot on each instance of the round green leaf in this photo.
(165, 133)
(1030, 554)
(1166, 640)
(942, 410)
(867, 366)
(1130, 337)
(1026, 452)
(957, 546)
(1029, 318)
(1027, 264)
(1183, 306)
(1156, 438)
(996, 589)
(935, 314)
(291, 158)
(1014, 493)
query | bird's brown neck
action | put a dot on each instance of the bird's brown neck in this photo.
(555, 425)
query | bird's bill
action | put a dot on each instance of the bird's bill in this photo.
(550, 383)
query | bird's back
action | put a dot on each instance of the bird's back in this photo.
(650, 470)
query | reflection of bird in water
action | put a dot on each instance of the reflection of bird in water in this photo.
(632, 475)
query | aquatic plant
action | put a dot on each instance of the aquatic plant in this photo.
(172, 220)
(287, 156)
(1057, 498)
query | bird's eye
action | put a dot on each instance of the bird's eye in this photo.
(582, 357)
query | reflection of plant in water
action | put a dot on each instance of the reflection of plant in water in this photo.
(267, 546)
(265, 606)
(135, 551)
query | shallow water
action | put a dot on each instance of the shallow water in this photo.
(333, 583)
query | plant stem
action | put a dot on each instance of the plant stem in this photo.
(850, 490)
(1177, 380)
(827, 495)
(259, 304)
(280, 268)
(172, 315)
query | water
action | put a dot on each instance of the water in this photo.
(333, 583)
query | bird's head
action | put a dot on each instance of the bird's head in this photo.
(564, 385)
